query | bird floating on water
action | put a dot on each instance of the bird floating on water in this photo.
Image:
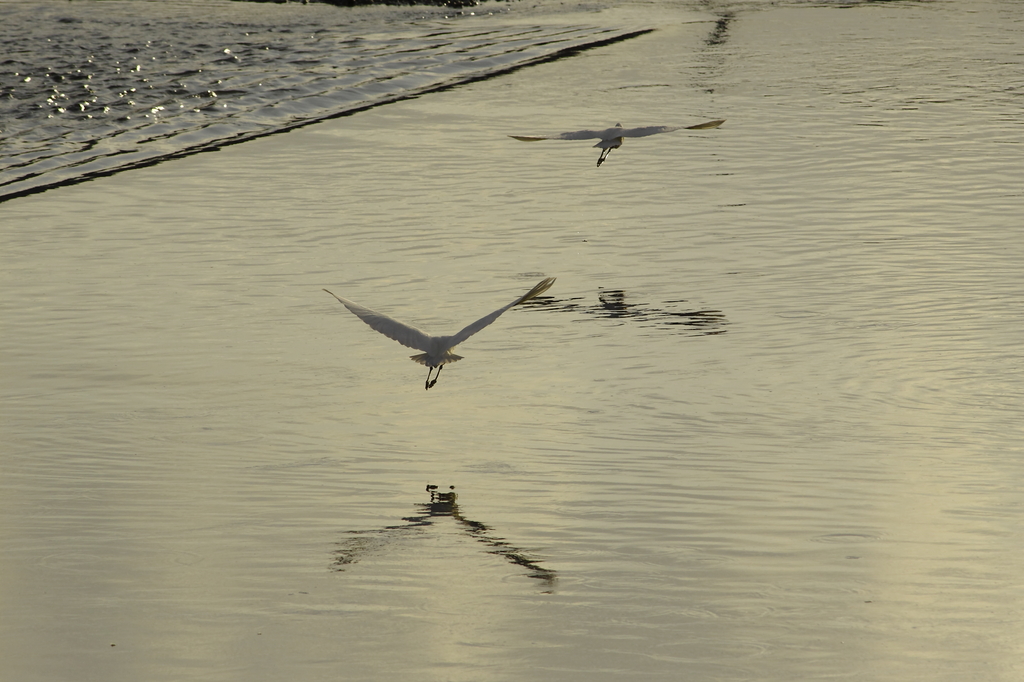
(437, 350)
(611, 138)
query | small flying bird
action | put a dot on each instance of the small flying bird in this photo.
(437, 350)
(611, 138)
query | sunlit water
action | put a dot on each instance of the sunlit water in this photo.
(95, 88)
(765, 426)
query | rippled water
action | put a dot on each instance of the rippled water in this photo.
(93, 88)
(766, 424)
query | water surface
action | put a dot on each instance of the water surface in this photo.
(98, 88)
(214, 471)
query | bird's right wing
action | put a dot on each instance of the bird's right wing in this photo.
(405, 334)
(576, 135)
(532, 138)
(464, 334)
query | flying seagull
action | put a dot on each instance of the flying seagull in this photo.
(611, 138)
(437, 350)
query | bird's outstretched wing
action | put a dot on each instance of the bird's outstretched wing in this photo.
(577, 135)
(617, 131)
(405, 334)
(706, 124)
(654, 130)
(487, 319)
(648, 130)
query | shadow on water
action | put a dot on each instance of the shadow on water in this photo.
(613, 304)
(443, 504)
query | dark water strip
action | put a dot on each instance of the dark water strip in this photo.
(120, 160)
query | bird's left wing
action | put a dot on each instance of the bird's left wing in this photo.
(541, 287)
(405, 334)
(649, 130)
(654, 130)
(707, 124)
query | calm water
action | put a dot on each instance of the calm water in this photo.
(765, 426)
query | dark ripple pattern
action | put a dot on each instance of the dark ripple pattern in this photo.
(614, 304)
(88, 89)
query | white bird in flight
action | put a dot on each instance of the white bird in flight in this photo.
(437, 350)
(611, 138)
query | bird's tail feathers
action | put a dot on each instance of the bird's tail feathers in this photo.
(541, 287)
(424, 359)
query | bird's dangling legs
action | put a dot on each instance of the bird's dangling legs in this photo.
(430, 384)
(604, 154)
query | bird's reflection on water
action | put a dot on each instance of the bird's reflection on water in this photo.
(442, 504)
(720, 32)
(612, 304)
